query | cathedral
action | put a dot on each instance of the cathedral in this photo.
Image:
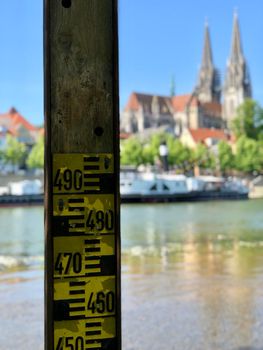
(211, 105)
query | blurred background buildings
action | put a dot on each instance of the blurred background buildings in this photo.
(211, 104)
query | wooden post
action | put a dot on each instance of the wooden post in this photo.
(82, 231)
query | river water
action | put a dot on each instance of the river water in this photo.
(192, 276)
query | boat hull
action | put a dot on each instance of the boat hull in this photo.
(21, 200)
(182, 197)
(38, 199)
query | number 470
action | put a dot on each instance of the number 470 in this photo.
(66, 261)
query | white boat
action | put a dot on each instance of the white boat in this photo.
(25, 192)
(151, 187)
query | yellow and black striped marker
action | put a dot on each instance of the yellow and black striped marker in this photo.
(84, 252)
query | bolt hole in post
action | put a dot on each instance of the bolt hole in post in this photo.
(66, 3)
(99, 131)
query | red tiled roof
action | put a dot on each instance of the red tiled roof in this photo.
(200, 135)
(177, 103)
(13, 120)
(145, 101)
(133, 102)
(18, 119)
(180, 102)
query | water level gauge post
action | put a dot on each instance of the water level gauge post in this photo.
(82, 201)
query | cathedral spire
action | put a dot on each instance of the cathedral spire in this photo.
(236, 54)
(237, 85)
(208, 86)
(207, 59)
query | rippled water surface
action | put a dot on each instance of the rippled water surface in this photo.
(192, 276)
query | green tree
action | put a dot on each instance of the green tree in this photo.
(135, 152)
(180, 155)
(249, 155)
(225, 157)
(204, 158)
(151, 148)
(14, 152)
(156, 140)
(35, 159)
(149, 154)
(249, 120)
(131, 152)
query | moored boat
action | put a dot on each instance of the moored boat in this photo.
(136, 187)
(150, 187)
(21, 193)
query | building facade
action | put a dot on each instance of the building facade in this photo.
(18, 127)
(145, 111)
(202, 108)
(185, 111)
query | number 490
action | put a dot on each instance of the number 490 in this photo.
(68, 179)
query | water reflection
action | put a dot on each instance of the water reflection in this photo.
(22, 231)
(199, 258)
(203, 264)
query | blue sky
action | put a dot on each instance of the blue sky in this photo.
(21, 58)
(158, 40)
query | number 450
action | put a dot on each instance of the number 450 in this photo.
(70, 343)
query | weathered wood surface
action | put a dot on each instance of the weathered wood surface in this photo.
(81, 103)
(83, 75)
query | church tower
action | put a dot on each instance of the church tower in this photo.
(208, 86)
(237, 86)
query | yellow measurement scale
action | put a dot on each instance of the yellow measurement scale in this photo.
(84, 252)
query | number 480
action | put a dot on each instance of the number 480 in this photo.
(100, 220)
